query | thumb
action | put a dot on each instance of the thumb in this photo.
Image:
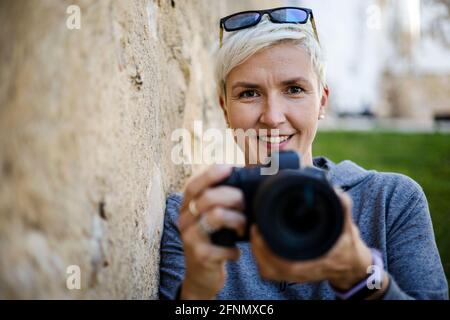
(347, 206)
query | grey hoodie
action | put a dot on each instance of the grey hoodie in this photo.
(391, 212)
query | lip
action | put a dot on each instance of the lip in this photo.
(280, 146)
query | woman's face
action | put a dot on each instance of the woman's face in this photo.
(276, 88)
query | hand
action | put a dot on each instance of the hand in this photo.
(343, 266)
(220, 206)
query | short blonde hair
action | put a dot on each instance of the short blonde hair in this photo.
(242, 44)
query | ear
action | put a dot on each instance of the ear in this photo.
(324, 100)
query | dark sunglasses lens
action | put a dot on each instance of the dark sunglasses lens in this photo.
(241, 20)
(290, 15)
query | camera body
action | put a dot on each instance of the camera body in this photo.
(296, 210)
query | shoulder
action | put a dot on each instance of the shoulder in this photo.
(349, 174)
(387, 189)
(394, 198)
(398, 197)
(397, 182)
(404, 201)
(397, 189)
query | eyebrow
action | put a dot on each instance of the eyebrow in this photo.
(244, 85)
(285, 83)
(296, 80)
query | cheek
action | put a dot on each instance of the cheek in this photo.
(303, 119)
(244, 117)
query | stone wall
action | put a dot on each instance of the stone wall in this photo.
(85, 122)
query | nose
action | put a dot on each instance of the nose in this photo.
(273, 113)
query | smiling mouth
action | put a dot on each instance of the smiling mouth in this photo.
(275, 139)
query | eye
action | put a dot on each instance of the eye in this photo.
(295, 90)
(248, 94)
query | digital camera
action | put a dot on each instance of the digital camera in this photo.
(296, 210)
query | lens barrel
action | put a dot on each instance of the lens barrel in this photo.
(299, 216)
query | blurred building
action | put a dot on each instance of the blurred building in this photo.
(387, 58)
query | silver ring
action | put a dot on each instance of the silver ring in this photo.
(193, 208)
(205, 227)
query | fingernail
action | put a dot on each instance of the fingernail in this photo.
(225, 168)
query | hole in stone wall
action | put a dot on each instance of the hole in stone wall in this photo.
(101, 210)
(136, 80)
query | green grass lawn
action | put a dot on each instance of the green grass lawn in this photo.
(423, 157)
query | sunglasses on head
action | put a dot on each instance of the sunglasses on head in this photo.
(246, 19)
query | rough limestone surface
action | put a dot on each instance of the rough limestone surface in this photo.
(86, 117)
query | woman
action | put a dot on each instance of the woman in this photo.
(271, 75)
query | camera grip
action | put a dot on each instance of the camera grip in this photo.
(224, 237)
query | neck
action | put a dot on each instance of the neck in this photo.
(307, 159)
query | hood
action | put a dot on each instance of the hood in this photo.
(345, 174)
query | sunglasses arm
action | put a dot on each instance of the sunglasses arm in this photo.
(221, 35)
(313, 23)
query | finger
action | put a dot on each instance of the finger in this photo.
(222, 196)
(259, 244)
(263, 261)
(277, 268)
(197, 184)
(350, 225)
(219, 218)
(212, 175)
(208, 254)
(268, 263)
(347, 206)
(350, 230)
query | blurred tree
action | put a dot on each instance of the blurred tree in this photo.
(439, 27)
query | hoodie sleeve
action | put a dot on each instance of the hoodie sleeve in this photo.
(171, 268)
(413, 262)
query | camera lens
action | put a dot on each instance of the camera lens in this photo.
(299, 216)
(298, 211)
